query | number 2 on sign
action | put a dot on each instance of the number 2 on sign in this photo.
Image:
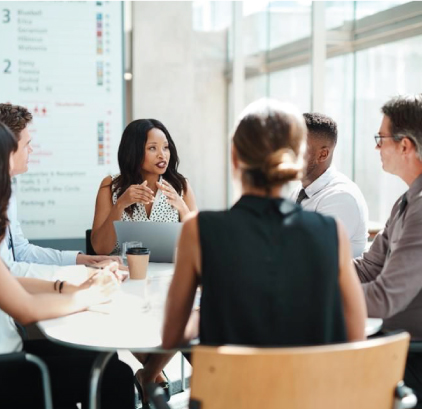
(7, 68)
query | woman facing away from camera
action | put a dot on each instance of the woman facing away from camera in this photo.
(272, 274)
(148, 188)
(27, 300)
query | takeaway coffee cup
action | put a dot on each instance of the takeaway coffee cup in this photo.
(137, 260)
(128, 245)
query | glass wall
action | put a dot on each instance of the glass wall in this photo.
(292, 85)
(338, 12)
(368, 8)
(381, 72)
(339, 94)
(288, 21)
(362, 72)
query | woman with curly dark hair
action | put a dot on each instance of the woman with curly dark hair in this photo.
(148, 188)
(28, 300)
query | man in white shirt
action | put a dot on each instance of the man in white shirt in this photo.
(23, 258)
(327, 191)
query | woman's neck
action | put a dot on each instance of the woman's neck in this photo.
(274, 192)
(151, 179)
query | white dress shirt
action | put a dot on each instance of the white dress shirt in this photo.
(10, 340)
(30, 260)
(334, 194)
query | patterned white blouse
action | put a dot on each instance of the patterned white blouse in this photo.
(161, 211)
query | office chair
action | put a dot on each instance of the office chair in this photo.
(88, 246)
(415, 346)
(16, 358)
(364, 375)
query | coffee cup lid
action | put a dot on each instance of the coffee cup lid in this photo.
(138, 251)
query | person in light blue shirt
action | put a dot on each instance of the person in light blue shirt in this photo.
(29, 300)
(23, 258)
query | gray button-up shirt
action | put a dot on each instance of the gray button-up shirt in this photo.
(391, 271)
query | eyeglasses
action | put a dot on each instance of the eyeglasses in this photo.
(379, 138)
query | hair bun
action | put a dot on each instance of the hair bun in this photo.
(282, 166)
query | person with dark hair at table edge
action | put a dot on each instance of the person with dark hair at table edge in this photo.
(29, 300)
(148, 188)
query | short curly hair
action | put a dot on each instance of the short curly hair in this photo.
(321, 126)
(15, 117)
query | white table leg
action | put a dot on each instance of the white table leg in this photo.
(96, 376)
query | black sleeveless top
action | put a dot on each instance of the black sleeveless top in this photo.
(269, 275)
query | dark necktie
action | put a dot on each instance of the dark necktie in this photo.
(403, 204)
(11, 244)
(302, 196)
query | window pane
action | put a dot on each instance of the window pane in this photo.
(289, 21)
(292, 85)
(338, 12)
(381, 73)
(211, 15)
(339, 106)
(255, 88)
(367, 8)
(255, 38)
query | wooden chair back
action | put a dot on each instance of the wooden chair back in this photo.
(358, 375)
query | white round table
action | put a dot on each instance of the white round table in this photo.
(124, 324)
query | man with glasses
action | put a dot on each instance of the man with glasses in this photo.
(324, 189)
(391, 271)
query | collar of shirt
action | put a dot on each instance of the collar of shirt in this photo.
(319, 183)
(260, 204)
(415, 189)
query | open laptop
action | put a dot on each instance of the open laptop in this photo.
(160, 238)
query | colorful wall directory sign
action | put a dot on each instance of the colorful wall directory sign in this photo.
(64, 62)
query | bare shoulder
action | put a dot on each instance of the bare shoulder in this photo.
(188, 191)
(104, 196)
(188, 186)
(106, 182)
(189, 242)
(190, 226)
(189, 197)
(191, 221)
(344, 247)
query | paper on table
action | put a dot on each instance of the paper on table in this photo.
(101, 308)
(121, 304)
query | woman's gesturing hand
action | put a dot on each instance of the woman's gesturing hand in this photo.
(173, 197)
(99, 286)
(122, 272)
(136, 194)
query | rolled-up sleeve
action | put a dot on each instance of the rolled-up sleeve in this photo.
(29, 253)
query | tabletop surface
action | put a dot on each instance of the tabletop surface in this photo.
(372, 326)
(121, 324)
(126, 323)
